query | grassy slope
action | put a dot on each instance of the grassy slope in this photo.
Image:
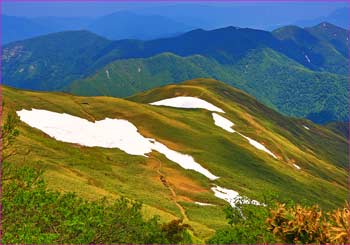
(96, 172)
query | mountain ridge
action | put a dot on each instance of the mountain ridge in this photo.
(94, 172)
(226, 48)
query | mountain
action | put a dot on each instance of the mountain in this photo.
(333, 35)
(300, 95)
(324, 45)
(119, 25)
(126, 77)
(306, 161)
(339, 17)
(18, 28)
(64, 23)
(127, 25)
(253, 67)
(249, 59)
(51, 61)
(266, 16)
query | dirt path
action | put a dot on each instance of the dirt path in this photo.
(173, 193)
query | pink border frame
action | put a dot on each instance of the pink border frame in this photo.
(194, 1)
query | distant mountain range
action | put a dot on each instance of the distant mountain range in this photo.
(120, 25)
(265, 16)
(166, 21)
(20, 28)
(298, 71)
(127, 25)
(339, 17)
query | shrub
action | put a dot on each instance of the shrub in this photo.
(33, 214)
(284, 223)
(247, 225)
(298, 224)
(303, 224)
(339, 230)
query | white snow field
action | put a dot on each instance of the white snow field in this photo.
(232, 197)
(188, 102)
(223, 122)
(107, 133)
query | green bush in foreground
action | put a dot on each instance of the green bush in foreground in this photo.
(33, 214)
(247, 225)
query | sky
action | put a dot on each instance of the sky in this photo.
(100, 8)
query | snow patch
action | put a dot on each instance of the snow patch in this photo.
(231, 196)
(107, 133)
(223, 122)
(187, 102)
(307, 128)
(227, 124)
(185, 161)
(107, 73)
(307, 58)
(257, 145)
(296, 166)
(204, 204)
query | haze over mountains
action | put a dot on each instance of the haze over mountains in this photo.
(120, 25)
(163, 21)
(339, 17)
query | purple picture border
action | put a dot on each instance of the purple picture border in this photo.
(164, 1)
(176, 1)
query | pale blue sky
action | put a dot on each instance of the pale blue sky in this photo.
(94, 9)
